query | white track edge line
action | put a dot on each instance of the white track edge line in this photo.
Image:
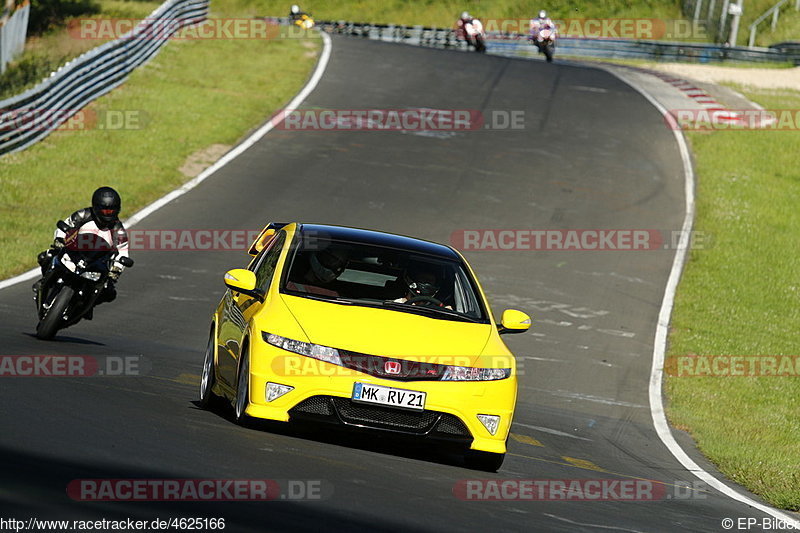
(662, 328)
(322, 63)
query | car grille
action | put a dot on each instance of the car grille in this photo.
(375, 365)
(374, 416)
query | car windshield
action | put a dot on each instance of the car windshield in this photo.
(350, 272)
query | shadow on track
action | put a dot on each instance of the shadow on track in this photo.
(43, 480)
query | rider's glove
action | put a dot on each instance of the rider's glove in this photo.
(58, 243)
(114, 273)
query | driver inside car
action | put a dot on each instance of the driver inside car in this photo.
(324, 267)
(422, 289)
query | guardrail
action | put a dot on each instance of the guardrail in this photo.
(12, 34)
(775, 11)
(29, 117)
(516, 45)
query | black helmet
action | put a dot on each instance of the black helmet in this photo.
(328, 264)
(422, 282)
(106, 205)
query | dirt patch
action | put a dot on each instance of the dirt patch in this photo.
(202, 159)
(762, 78)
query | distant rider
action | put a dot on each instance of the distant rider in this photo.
(296, 13)
(467, 28)
(102, 220)
(543, 22)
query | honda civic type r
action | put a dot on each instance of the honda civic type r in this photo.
(364, 329)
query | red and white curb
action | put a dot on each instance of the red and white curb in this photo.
(717, 112)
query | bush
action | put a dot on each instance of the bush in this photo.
(49, 14)
(26, 73)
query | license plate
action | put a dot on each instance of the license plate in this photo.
(404, 399)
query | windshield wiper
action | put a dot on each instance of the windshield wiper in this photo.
(437, 312)
(331, 299)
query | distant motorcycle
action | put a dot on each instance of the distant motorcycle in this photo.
(545, 41)
(472, 32)
(304, 21)
(77, 275)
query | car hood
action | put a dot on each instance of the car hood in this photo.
(388, 333)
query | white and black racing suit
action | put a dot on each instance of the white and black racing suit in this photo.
(115, 235)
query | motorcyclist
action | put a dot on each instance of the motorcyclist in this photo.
(102, 220)
(295, 13)
(543, 22)
(467, 27)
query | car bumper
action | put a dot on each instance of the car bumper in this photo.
(450, 413)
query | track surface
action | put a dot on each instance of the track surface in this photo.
(593, 154)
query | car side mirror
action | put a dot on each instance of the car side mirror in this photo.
(514, 322)
(242, 280)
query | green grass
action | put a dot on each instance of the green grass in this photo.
(195, 93)
(742, 297)
(788, 23)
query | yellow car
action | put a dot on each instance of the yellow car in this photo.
(364, 329)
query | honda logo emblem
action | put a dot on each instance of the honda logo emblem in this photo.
(391, 367)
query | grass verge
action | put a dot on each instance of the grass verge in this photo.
(740, 297)
(194, 95)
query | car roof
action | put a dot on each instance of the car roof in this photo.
(380, 238)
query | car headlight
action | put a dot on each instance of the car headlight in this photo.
(93, 276)
(467, 373)
(315, 351)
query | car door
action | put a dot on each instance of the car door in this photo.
(239, 309)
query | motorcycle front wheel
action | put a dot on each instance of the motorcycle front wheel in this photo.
(549, 48)
(52, 318)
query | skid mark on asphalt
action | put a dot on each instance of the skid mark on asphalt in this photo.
(589, 398)
(525, 439)
(551, 431)
(591, 466)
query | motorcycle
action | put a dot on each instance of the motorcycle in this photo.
(475, 36)
(545, 41)
(78, 274)
(304, 21)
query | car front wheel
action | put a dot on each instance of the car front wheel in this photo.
(208, 378)
(242, 388)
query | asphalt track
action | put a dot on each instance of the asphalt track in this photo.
(593, 154)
